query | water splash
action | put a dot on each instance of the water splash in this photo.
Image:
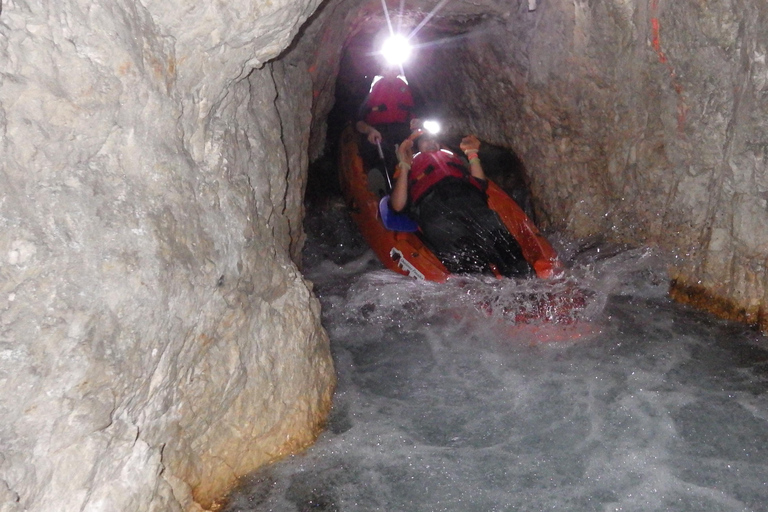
(528, 310)
(642, 405)
(340, 265)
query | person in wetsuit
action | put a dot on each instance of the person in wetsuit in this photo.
(448, 201)
(385, 117)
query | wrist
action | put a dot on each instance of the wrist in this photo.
(405, 167)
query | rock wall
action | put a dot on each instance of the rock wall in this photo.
(156, 337)
(639, 120)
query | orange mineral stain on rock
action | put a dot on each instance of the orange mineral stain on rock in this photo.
(723, 307)
(292, 436)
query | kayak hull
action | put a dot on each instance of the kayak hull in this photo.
(404, 252)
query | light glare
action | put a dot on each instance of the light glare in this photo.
(432, 127)
(396, 49)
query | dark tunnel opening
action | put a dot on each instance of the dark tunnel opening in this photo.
(360, 62)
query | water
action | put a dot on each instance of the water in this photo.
(444, 403)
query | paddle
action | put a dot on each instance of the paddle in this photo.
(384, 165)
(392, 220)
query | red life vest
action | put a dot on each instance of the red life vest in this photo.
(395, 94)
(429, 168)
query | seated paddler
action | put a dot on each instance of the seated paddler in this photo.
(385, 117)
(447, 198)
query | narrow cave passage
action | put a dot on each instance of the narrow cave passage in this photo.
(620, 134)
(360, 62)
(158, 339)
(642, 404)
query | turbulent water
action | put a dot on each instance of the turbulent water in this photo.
(450, 398)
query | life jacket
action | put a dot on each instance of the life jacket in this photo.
(429, 168)
(395, 95)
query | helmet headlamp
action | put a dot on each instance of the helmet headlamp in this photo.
(431, 126)
(396, 49)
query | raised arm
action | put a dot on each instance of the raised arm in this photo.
(399, 197)
(470, 145)
(374, 136)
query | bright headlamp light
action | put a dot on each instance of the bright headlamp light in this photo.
(396, 49)
(431, 126)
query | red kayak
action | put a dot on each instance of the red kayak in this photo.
(393, 237)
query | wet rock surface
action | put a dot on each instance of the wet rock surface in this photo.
(157, 339)
(156, 336)
(639, 121)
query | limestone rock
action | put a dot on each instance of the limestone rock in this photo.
(640, 121)
(156, 337)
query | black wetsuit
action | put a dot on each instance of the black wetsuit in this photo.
(464, 233)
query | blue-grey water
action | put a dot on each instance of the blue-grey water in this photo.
(444, 403)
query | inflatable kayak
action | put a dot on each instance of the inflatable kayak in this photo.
(394, 237)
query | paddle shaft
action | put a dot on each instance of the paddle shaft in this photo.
(384, 164)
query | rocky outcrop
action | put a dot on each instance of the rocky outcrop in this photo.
(639, 121)
(156, 337)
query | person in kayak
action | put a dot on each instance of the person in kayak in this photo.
(448, 201)
(385, 117)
